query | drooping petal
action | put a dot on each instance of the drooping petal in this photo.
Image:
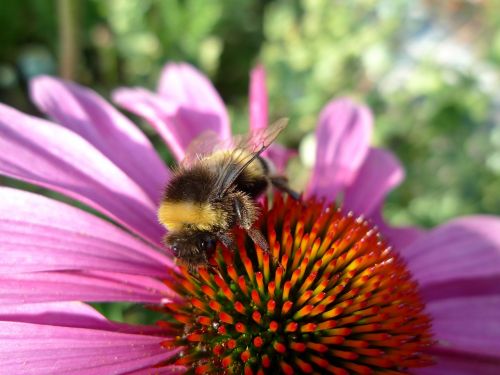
(379, 174)
(54, 157)
(167, 370)
(457, 363)
(88, 114)
(64, 314)
(69, 314)
(398, 237)
(27, 348)
(462, 249)
(258, 99)
(183, 84)
(177, 124)
(343, 135)
(467, 324)
(81, 286)
(40, 234)
(279, 155)
(458, 268)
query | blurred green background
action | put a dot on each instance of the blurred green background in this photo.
(430, 70)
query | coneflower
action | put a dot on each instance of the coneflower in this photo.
(330, 297)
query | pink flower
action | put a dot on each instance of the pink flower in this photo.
(53, 254)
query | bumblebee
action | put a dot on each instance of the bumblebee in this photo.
(215, 189)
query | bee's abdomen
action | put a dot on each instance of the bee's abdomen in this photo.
(190, 185)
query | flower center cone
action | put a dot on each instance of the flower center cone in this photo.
(330, 297)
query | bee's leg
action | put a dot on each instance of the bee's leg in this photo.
(281, 182)
(215, 270)
(246, 218)
(258, 238)
(192, 268)
(227, 240)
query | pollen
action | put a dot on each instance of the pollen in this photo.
(330, 296)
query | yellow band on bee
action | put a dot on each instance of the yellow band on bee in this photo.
(175, 215)
(238, 156)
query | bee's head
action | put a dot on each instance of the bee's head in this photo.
(194, 247)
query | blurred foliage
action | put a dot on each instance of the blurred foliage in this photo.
(428, 69)
(429, 72)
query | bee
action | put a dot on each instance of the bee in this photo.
(214, 189)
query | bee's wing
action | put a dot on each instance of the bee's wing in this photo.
(244, 150)
(205, 144)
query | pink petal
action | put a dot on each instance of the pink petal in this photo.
(469, 324)
(460, 250)
(460, 364)
(378, 175)
(398, 237)
(177, 124)
(44, 349)
(40, 234)
(67, 314)
(186, 86)
(458, 268)
(258, 99)
(279, 155)
(343, 136)
(88, 114)
(51, 156)
(258, 108)
(169, 370)
(79, 286)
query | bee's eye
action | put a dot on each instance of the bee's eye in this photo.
(175, 250)
(208, 244)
